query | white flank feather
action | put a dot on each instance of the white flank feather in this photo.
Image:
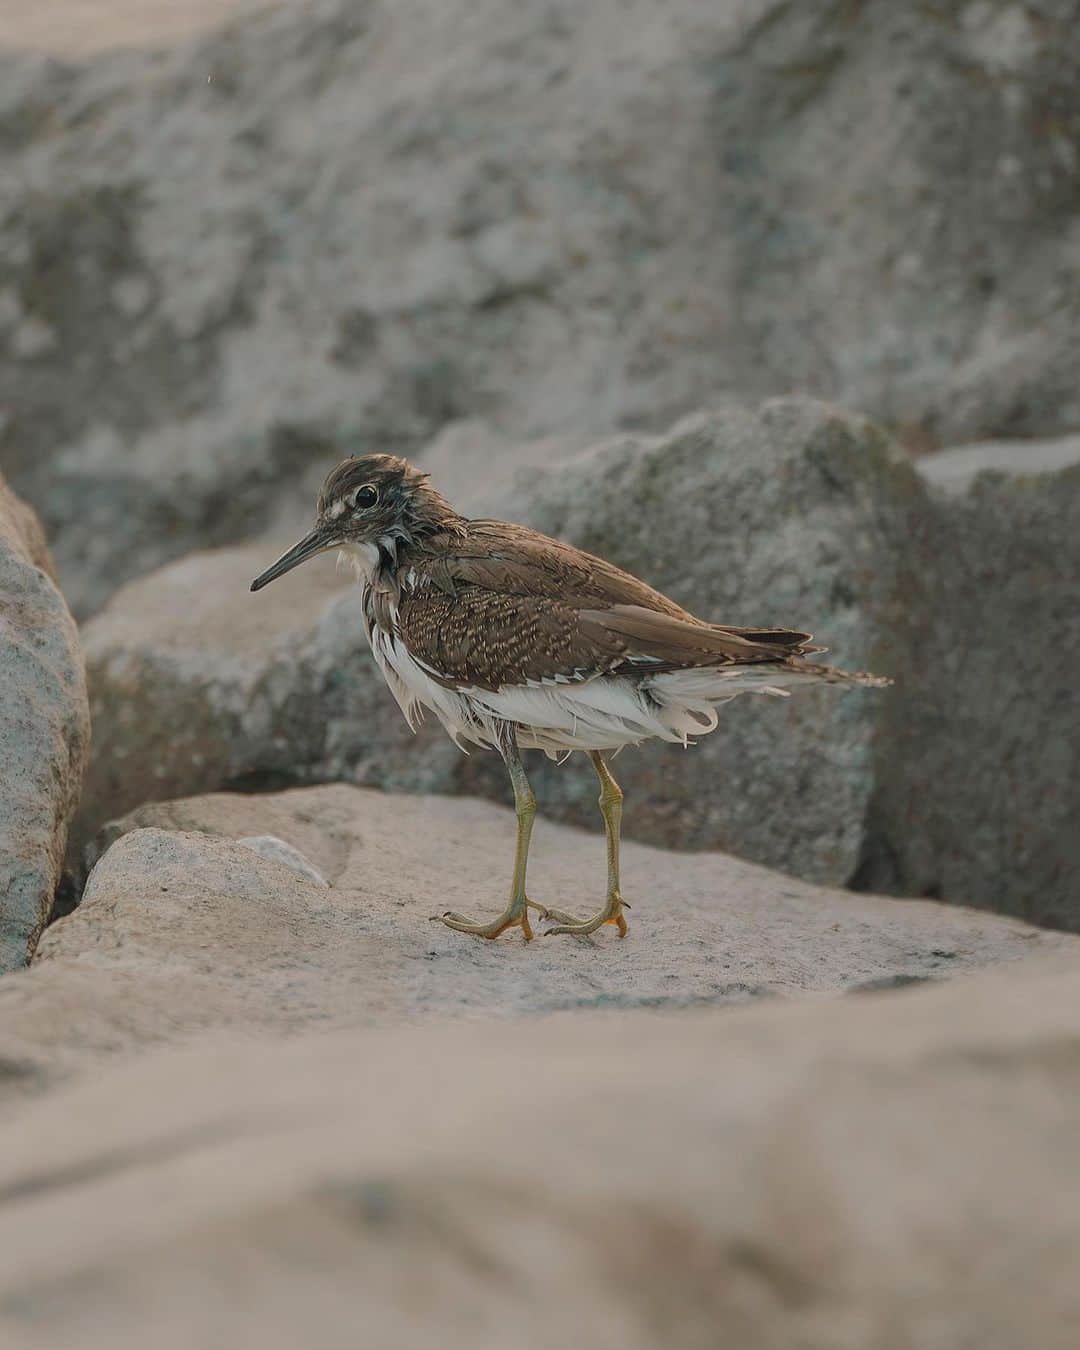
(564, 714)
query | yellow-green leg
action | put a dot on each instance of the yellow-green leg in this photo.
(611, 800)
(516, 913)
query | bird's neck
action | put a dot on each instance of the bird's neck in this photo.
(364, 559)
(380, 563)
(426, 516)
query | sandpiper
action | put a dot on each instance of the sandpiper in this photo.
(517, 641)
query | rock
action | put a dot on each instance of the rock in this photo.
(791, 514)
(80, 28)
(292, 240)
(44, 729)
(983, 801)
(182, 930)
(874, 1173)
(794, 513)
(954, 471)
(277, 850)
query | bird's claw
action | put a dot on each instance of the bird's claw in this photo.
(575, 927)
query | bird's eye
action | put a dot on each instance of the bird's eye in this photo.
(365, 496)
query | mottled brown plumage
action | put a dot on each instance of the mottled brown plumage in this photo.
(506, 605)
(515, 639)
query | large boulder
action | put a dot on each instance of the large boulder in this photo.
(194, 919)
(977, 792)
(868, 1174)
(224, 262)
(44, 729)
(791, 514)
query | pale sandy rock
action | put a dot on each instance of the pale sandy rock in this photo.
(277, 850)
(179, 932)
(44, 729)
(851, 1175)
(294, 237)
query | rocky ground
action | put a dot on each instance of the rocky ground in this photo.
(870, 1173)
(366, 1116)
(183, 929)
(774, 304)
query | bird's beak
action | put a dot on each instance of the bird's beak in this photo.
(318, 541)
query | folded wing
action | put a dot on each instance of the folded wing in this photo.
(510, 607)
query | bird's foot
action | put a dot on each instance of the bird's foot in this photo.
(516, 915)
(568, 923)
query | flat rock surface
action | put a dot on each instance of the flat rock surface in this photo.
(44, 729)
(182, 929)
(851, 1175)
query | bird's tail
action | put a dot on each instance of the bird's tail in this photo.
(822, 674)
(687, 699)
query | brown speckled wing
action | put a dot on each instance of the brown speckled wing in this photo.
(486, 639)
(506, 606)
(515, 560)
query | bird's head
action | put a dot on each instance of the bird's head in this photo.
(369, 507)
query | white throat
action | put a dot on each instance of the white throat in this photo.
(362, 558)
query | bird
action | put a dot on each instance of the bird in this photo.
(517, 641)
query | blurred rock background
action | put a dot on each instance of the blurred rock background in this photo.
(337, 226)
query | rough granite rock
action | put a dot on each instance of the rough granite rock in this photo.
(277, 850)
(792, 514)
(226, 261)
(852, 1175)
(44, 729)
(180, 933)
(978, 790)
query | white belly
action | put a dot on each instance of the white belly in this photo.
(603, 713)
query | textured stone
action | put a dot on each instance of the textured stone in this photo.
(180, 933)
(978, 794)
(849, 1175)
(793, 514)
(223, 263)
(44, 729)
(953, 472)
(277, 850)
